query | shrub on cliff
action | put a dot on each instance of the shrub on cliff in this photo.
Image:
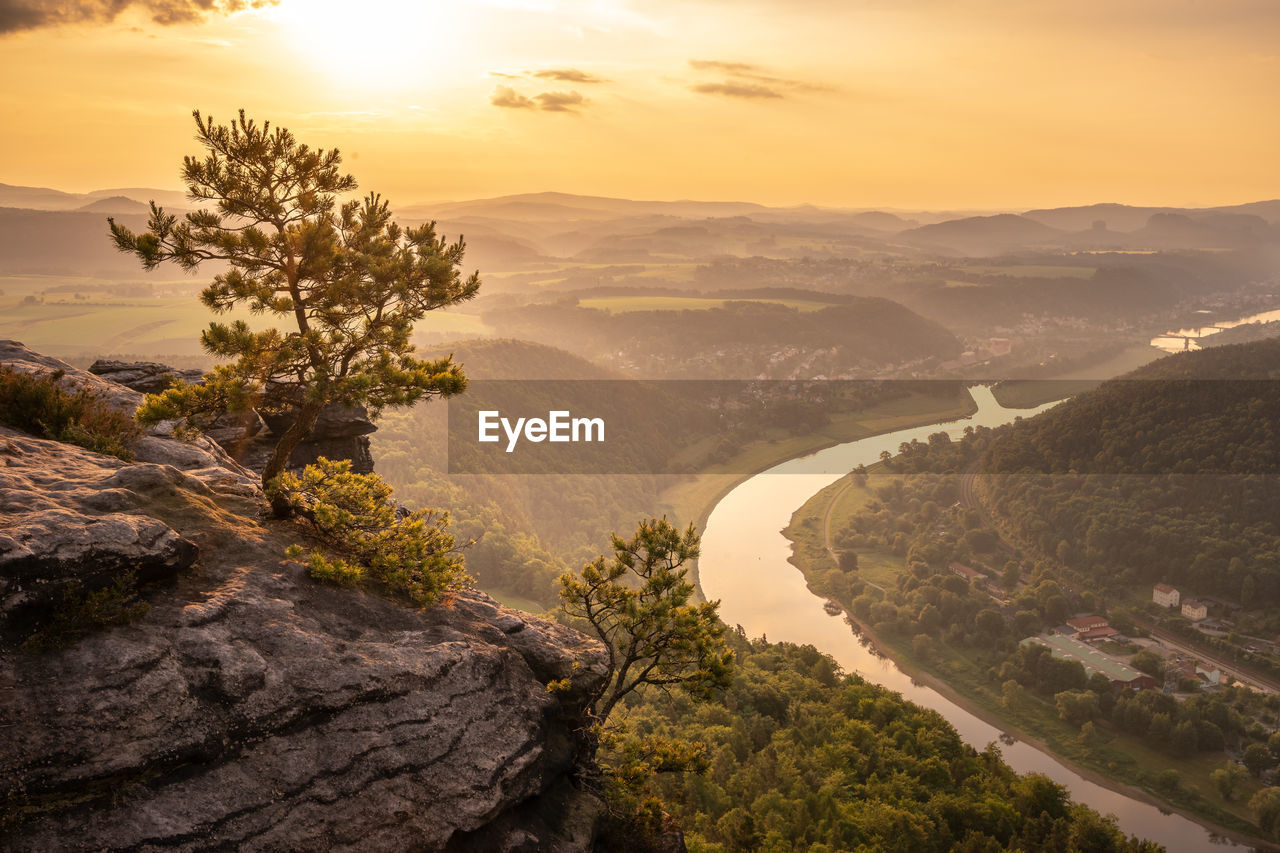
(409, 554)
(40, 406)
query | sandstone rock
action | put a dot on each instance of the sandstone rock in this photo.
(340, 432)
(335, 421)
(149, 377)
(14, 354)
(253, 708)
(197, 455)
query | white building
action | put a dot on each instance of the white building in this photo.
(1195, 610)
(1165, 595)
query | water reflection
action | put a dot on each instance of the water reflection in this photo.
(1188, 339)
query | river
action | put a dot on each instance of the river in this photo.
(1176, 340)
(744, 564)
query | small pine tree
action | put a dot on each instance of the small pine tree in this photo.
(348, 282)
(638, 604)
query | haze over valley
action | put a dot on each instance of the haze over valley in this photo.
(576, 426)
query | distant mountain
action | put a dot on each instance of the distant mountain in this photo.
(580, 206)
(114, 205)
(39, 198)
(1117, 217)
(1207, 231)
(43, 198)
(58, 242)
(1123, 217)
(520, 232)
(175, 199)
(1268, 210)
(983, 235)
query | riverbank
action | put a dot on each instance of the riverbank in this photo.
(961, 675)
(693, 499)
(912, 669)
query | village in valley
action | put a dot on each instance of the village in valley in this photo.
(1158, 660)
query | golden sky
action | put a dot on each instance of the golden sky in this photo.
(904, 103)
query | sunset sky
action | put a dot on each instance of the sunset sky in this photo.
(860, 103)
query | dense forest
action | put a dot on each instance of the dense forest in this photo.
(1168, 474)
(799, 756)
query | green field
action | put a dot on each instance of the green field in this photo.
(844, 498)
(1033, 271)
(90, 321)
(624, 304)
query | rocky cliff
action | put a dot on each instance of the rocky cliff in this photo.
(341, 432)
(250, 707)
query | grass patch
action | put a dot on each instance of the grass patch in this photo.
(37, 404)
(82, 613)
(519, 602)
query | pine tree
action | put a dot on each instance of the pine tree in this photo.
(638, 604)
(347, 282)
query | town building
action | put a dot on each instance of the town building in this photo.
(1165, 595)
(1069, 648)
(1194, 610)
(1087, 623)
(969, 574)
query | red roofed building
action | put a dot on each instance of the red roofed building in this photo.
(1087, 623)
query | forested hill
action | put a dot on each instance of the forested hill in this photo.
(740, 339)
(1211, 411)
(504, 358)
(1171, 473)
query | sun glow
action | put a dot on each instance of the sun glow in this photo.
(372, 45)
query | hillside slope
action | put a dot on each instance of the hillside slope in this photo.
(1170, 473)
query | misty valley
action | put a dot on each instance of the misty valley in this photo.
(830, 528)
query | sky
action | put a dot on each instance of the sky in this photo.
(957, 104)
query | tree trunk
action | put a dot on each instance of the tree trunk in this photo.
(293, 436)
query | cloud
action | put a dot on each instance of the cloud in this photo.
(560, 102)
(736, 90)
(18, 15)
(748, 81)
(551, 102)
(505, 96)
(567, 75)
(741, 69)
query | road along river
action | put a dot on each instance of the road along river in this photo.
(744, 565)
